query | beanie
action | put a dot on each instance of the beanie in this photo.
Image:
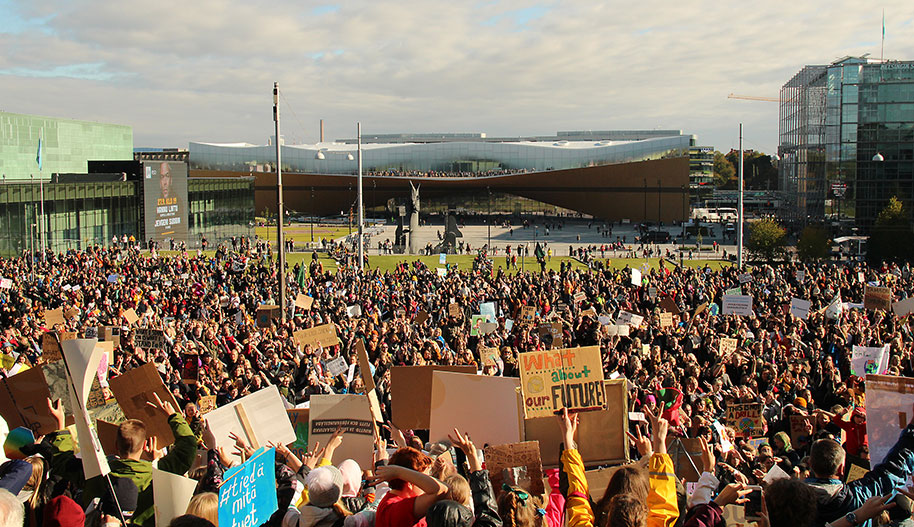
(800, 401)
(325, 486)
(63, 512)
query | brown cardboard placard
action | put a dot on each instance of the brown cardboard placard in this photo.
(131, 316)
(349, 413)
(134, 389)
(325, 334)
(107, 348)
(110, 334)
(855, 472)
(304, 302)
(70, 313)
(605, 431)
(666, 319)
(364, 366)
(266, 314)
(488, 355)
(52, 317)
(456, 402)
(206, 404)
(746, 418)
(580, 296)
(411, 394)
(556, 379)
(669, 305)
(107, 436)
(23, 402)
(149, 339)
(421, 317)
(190, 368)
(453, 310)
(798, 436)
(551, 334)
(527, 314)
(727, 346)
(686, 454)
(50, 347)
(524, 454)
(877, 298)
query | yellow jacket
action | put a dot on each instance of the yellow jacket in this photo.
(663, 508)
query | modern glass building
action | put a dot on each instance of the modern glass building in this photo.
(847, 139)
(66, 145)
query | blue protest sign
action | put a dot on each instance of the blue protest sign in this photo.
(247, 497)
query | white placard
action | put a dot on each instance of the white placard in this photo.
(745, 278)
(441, 271)
(336, 366)
(801, 276)
(354, 311)
(737, 305)
(888, 410)
(266, 413)
(630, 319)
(636, 277)
(615, 330)
(171, 494)
(903, 307)
(800, 308)
(869, 359)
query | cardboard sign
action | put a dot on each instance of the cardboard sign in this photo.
(300, 418)
(579, 297)
(50, 347)
(527, 313)
(800, 308)
(325, 334)
(565, 378)
(606, 442)
(247, 496)
(551, 334)
(190, 368)
(351, 414)
(630, 319)
(336, 366)
(456, 402)
(107, 436)
(801, 276)
(149, 339)
(206, 404)
(487, 327)
(889, 402)
(266, 314)
(411, 394)
(589, 312)
(745, 278)
(110, 334)
(737, 305)
(131, 317)
(453, 310)
(134, 389)
(668, 304)
(904, 307)
(526, 454)
(652, 292)
(258, 418)
(869, 360)
(487, 309)
(746, 418)
(666, 319)
(686, 454)
(304, 302)
(52, 317)
(877, 298)
(364, 366)
(476, 321)
(615, 330)
(354, 311)
(421, 317)
(727, 346)
(798, 436)
(855, 472)
(23, 402)
(171, 495)
(488, 355)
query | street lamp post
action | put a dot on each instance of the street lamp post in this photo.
(312, 214)
(739, 206)
(279, 208)
(489, 219)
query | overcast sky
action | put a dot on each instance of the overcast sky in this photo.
(202, 70)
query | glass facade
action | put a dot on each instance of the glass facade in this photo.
(220, 208)
(834, 120)
(455, 156)
(66, 145)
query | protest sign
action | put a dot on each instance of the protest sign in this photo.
(336, 366)
(131, 317)
(869, 359)
(798, 433)
(50, 347)
(82, 358)
(615, 330)
(551, 334)
(527, 313)
(266, 314)
(563, 378)
(487, 327)
(325, 335)
(456, 402)
(247, 496)
(171, 495)
(6, 283)
(636, 277)
(476, 321)
(589, 312)
(579, 297)
(668, 304)
(604, 429)
(23, 401)
(877, 298)
(354, 310)
(746, 418)
(190, 368)
(364, 366)
(110, 334)
(800, 308)
(733, 291)
(300, 419)
(421, 317)
(453, 310)
(411, 394)
(488, 356)
(149, 339)
(889, 403)
(737, 305)
(686, 455)
(134, 389)
(206, 404)
(631, 319)
(801, 276)
(652, 292)
(666, 319)
(303, 302)
(52, 317)
(257, 418)
(503, 458)
(349, 413)
(904, 307)
(487, 309)
(107, 436)
(855, 472)
(744, 278)
(727, 346)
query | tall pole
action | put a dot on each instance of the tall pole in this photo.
(658, 204)
(489, 220)
(361, 208)
(739, 205)
(42, 231)
(279, 208)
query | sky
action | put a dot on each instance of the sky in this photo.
(203, 70)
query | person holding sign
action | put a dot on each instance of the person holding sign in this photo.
(135, 456)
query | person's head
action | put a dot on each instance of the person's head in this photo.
(205, 505)
(62, 511)
(826, 459)
(782, 442)
(352, 477)
(12, 512)
(131, 436)
(410, 458)
(790, 503)
(165, 179)
(325, 486)
(189, 520)
(859, 416)
(457, 489)
(517, 507)
(625, 510)
(629, 479)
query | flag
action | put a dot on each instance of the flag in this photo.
(38, 157)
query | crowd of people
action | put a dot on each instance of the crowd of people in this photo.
(679, 378)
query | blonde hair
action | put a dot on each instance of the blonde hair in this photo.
(457, 489)
(205, 505)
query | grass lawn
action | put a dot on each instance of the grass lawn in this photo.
(302, 233)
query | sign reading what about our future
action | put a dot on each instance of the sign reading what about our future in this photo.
(565, 378)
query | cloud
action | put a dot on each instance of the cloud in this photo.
(203, 71)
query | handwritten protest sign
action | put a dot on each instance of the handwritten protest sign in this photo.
(800, 308)
(579, 297)
(258, 418)
(737, 305)
(616, 330)
(630, 319)
(746, 417)
(488, 355)
(266, 314)
(453, 310)
(303, 302)
(247, 497)
(745, 278)
(798, 432)
(869, 359)
(149, 338)
(686, 454)
(551, 334)
(666, 319)
(324, 334)
(336, 366)
(354, 311)
(877, 298)
(527, 313)
(668, 304)
(206, 404)
(50, 347)
(134, 389)
(53, 317)
(300, 418)
(457, 398)
(502, 458)
(727, 346)
(351, 414)
(563, 378)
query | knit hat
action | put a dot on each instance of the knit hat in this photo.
(352, 478)
(63, 512)
(800, 401)
(325, 486)
(861, 411)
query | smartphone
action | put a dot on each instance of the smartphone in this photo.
(753, 507)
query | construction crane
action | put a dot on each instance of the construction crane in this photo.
(751, 98)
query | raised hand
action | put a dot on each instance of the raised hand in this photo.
(641, 442)
(463, 442)
(734, 493)
(58, 413)
(569, 426)
(164, 407)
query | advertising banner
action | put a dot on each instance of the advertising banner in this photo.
(165, 200)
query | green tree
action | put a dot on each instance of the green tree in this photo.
(766, 240)
(891, 238)
(724, 173)
(813, 243)
(759, 172)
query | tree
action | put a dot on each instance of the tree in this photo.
(891, 238)
(766, 240)
(813, 243)
(724, 173)
(759, 172)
